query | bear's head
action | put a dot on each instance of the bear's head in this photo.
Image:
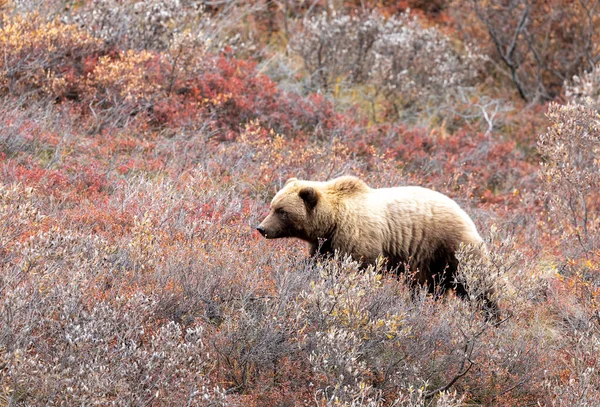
(298, 210)
(309, 210)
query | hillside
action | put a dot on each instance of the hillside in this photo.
(142, 141)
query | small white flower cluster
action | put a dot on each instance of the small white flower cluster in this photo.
(585, 89)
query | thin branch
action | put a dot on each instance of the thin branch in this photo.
(430, 394)
(507, 55)
(520, 27)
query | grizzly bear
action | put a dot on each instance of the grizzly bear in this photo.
(408, 226)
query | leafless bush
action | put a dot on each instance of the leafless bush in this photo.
(413, 63)
(142, 24)
(353, 319)
(156, 25)
(397, 58)
(372, 339)
(571, 173)
(484, 271)
(337, 48)
(574, 380)
(473, 107)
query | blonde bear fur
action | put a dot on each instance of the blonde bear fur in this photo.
(411, 226)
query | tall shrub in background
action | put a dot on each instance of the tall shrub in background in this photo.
(408, 65)
(146, 24)
(571, 172)
(571, 177)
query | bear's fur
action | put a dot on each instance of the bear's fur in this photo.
(411, 226)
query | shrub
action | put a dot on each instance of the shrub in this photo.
(35, 50)
(140, 24)
(185, 86)
(571, 174)
(571, 177)
(410, 66)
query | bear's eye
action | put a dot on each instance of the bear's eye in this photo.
(281, 212)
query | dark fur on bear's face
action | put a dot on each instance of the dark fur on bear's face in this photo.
(293, 213)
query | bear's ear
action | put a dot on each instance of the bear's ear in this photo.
(310, 197)
(290, 180)
(349, 185)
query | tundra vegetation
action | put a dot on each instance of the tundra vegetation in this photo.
(140, 144)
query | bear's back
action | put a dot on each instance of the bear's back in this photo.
(417, 216)
(419, 201)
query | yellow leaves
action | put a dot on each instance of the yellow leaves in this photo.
(25, 32)
(218, 100)
(36, 52)
(126, 76)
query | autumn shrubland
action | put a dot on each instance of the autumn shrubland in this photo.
(140, 144)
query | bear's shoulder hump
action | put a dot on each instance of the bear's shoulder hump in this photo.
(348, 185)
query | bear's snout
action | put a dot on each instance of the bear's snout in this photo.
(262, 230)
